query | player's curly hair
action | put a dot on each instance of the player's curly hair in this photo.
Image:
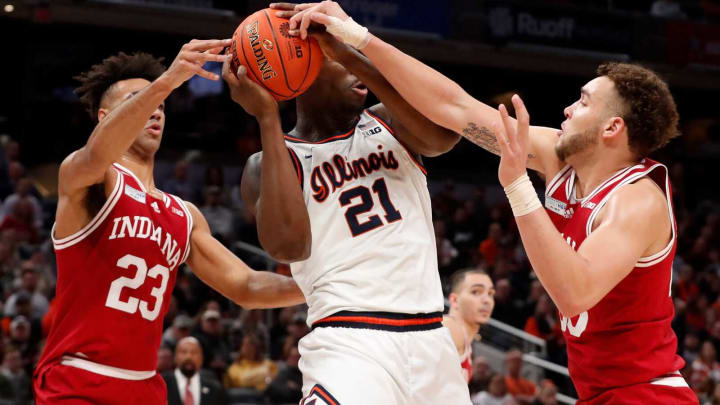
(649, 108)
(95, 82)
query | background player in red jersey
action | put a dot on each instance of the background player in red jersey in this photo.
(472, 299)
(119, 241)
(604, 250)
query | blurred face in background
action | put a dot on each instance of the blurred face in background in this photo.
(188, 356)
(474, 300)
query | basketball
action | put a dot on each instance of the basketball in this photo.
(285, 65)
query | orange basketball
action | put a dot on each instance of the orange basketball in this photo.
(285, 65)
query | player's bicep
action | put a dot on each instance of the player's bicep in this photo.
(78, 171)
(212, 262)
(250, 182)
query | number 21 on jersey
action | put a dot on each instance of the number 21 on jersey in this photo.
(365, 205)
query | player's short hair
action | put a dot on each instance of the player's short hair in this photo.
(649, 109)
(457, 278)
(95, 82)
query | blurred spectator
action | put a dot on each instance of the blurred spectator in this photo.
(490, 246)
(524, 391)
(496, 393)
(22, 191)
(706, 364)
(211, 336)
(481, 375)
(548, 392)
(691, 348)
(544, 322)
(165, 360)
(21, 220)
(12, 370)
(29, 286)
(507, 308)
(219, 217)
(181, 327)
(186, 384)
(251, 369)
(179, 184)
(287, 386)
(445, 249)
(20, 339)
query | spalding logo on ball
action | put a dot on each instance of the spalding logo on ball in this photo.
(285, 65)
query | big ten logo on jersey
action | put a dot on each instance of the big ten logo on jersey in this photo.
(566, 324)
(330, 176)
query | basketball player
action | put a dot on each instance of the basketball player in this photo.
(472, 298)
(367, 261)
(119, 241)
(604, 248)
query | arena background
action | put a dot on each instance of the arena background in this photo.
(543, 50)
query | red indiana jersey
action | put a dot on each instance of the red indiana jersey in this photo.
(115, 280)
(626, 338)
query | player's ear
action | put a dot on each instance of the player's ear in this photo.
(613, 126)
(102, 113)
(453, 298)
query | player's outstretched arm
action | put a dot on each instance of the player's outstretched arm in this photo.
(118, 127)
(634, 223)
(270, 186)
(435, 96)
(223, 271)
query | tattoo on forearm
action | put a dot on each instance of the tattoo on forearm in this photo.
(484, 138)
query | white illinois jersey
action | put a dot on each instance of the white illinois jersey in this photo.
(373, 244)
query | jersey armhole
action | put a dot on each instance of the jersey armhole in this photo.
(98, 219)
(190, 225)
(298, 167)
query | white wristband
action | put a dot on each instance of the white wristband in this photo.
(522, 196)
(349, 32)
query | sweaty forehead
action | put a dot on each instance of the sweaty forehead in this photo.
(120, 91)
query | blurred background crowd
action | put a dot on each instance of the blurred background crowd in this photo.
(543, 50)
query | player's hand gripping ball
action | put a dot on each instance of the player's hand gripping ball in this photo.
(285, 65)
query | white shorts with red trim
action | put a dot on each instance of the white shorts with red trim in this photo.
(356, 366)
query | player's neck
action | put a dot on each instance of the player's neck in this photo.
(141, 168)
(316, 123)
(592, 169)
(471, 328)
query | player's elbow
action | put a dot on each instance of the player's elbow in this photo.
(571, 305)
(289, 248)
(442, 143)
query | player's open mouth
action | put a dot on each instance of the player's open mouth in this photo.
(154, 129)
(360, 88)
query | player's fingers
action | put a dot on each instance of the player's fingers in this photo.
(215, 51)
(204, 73)
(500, 135)
(508, 125)
(522, 115)
(306, 20)
(228, 75)
(321, 18)
(305, 6)
(205, 44)
(283, 6)
(296, 19)
(286, 13)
